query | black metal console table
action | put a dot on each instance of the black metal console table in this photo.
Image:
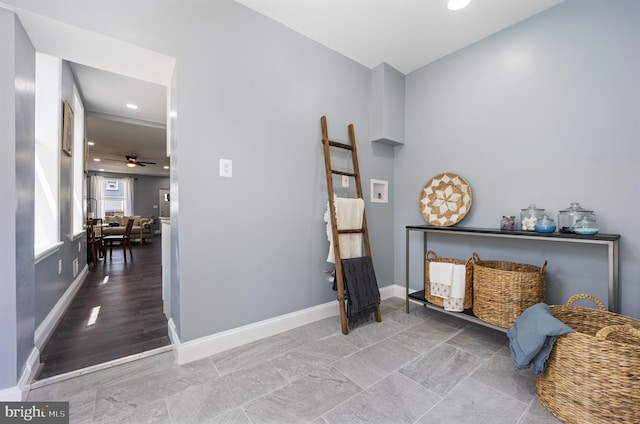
(610, 240)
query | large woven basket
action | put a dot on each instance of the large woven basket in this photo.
(593, 375)
(503, 290)
(468, 289)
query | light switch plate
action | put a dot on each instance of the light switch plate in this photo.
(345, 181)
(225, 168)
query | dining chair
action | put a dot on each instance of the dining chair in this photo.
(124, 239)
(94, 241)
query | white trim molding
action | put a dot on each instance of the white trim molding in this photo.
(19, 392)
(210, 345)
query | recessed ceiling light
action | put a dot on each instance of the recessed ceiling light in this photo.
(101, 169)
(91, 143)
(132, 106)
(458, 4)
(96, 160)
(165, 167)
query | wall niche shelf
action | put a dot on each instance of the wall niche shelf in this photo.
(609, 240)
(379, 191)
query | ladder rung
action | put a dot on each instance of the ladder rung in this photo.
(351, 231)
(348, 174)
(339, 145)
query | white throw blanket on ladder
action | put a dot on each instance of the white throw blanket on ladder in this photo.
(349, 213)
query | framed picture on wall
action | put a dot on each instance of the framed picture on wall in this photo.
(67, 128)
(85, 165)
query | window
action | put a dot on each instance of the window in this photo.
(114, 196)
(47, 153)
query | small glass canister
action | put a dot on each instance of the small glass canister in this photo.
(529, 217)
(508, 223)
(567, 218)
(586, 225)
(545, 225)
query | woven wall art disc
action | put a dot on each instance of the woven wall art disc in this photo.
(445, 200)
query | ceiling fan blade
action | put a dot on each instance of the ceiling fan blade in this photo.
(148, 163)
(140, 163)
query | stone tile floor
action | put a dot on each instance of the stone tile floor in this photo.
(423, 367)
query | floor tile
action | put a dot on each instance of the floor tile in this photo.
(375, 362)
(81, 407)
(234, 416)
(394, 400)
(120, 398)
(471, 401)
(372, 332)
(482, 341)
(115, 375)
(310, 357)
(431, 314)
(537, 414)
(253, 353)
(405, 319)
(316, 330)
(153, 413)
(422, 367)
(498, 373)
(303, 400)
(426, 335)
(442, 369)
(202, 402)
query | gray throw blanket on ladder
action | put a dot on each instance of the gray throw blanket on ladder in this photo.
(363, 296)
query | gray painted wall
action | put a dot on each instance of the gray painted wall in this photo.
(254, 95)
(8, 302)
(545, 111)
(25, 183)
(17, 82)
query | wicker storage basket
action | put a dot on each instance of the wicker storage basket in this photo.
(593, 375)
(503, 290)
(468, 289)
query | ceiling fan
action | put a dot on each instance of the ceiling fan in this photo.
(132, 162)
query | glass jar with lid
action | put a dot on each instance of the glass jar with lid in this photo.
(586, 225)
(545, 225)
(529, 217)
(567, 218)
(508, 222)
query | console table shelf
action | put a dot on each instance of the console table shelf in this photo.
(609, 240)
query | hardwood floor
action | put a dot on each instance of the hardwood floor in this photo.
(127, 298)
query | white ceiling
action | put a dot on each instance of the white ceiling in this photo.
(117, 131)
(406, 34)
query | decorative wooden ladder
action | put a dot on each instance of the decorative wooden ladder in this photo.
(332, 211)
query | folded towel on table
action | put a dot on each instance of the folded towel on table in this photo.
(349, 214)
(533, 335)
(440, 279)
(455, 301)
(363, 296)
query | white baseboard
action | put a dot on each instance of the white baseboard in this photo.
(11, 394)
(19, 392)
(45, 329)
(210, 345)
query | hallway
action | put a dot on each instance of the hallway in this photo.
(116, 313)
